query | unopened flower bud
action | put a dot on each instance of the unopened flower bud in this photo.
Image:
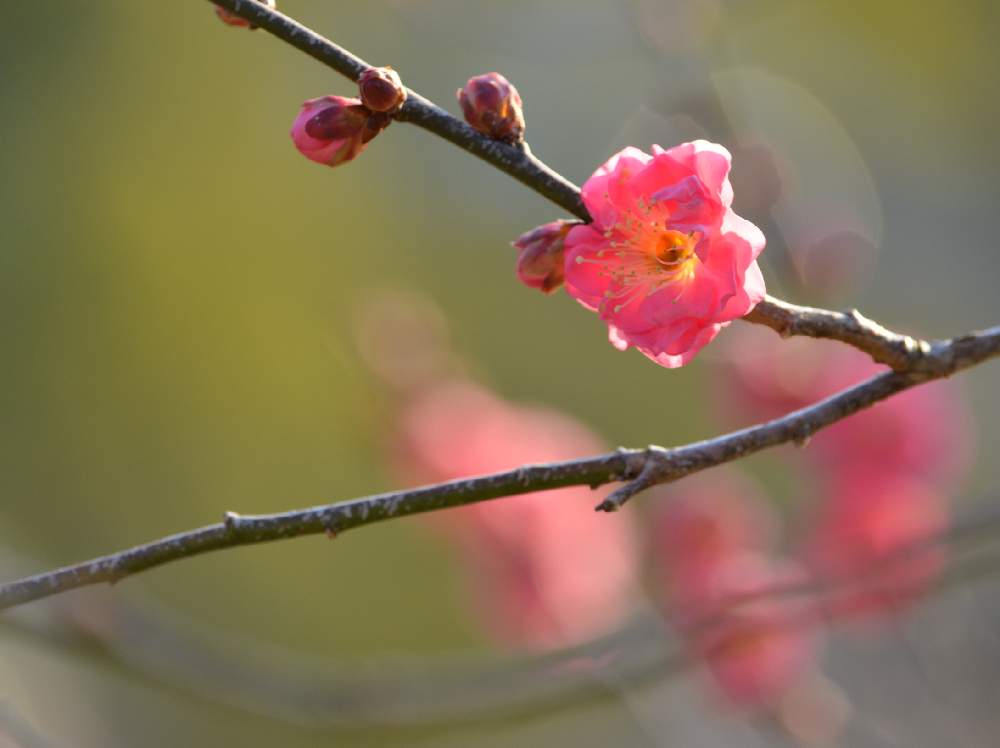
(540, 260)
(332, 129)
(381, 89)
(228, 17)
(492, 106)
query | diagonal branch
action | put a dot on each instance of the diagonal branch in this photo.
(641, 467)
(516, 161)
(900, 352)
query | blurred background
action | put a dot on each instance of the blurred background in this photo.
(180, 295)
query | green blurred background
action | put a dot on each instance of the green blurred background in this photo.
(179, 288)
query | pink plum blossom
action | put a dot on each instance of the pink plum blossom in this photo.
(666, 262)
(544, 569)
(332, 130)
(872, 546)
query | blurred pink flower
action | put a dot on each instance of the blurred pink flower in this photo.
(541, 255)
(666, 262)
(884, 474)
(332, 129)
(701, 524)
(765, 376)
(544, 569)
(922, 432)
(872, 547)
(710, 537)
(755, 642)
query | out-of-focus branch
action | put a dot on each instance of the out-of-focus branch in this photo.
(19, 729)
(141, 637)
(383, 692)
(642, 468)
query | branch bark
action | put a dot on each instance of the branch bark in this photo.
(642, 468)
(143, 638)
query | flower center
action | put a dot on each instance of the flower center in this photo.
(673, 249)
(643, 259)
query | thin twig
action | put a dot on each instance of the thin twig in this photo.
(641, 467)
(517, 161)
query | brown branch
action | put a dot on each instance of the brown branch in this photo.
(517, 161)
(641, 467)
(141, 637)
(900, 352)
(937, 360)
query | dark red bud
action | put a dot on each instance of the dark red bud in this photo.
(376, 123)
(337, 122)
(492, 106)
(381, 89)
(541, 255)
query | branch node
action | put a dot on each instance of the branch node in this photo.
(231, 520)
(330, 529)
(648, 475)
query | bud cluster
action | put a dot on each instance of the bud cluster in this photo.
(333, 130)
